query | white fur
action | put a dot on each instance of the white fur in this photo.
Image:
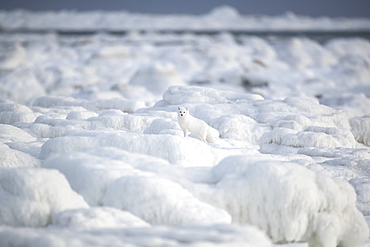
(198, 127)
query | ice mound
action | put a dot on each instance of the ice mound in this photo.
(239, 127)
(95, 218)
(162, 126)
(328, 137)
(175, 149)
(161, 201)
(111, 119)
(11, 113)
(289, 202)
(217, 235)
(15, 158)
(79, 115)
(90, 172)
(9, 133)
(48, 127)
(10, 138)
(303, 122)
(136, 183)
(157, 77)
(29, 197)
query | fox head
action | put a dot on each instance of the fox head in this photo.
(182, 111)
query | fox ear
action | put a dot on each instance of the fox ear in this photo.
(178, 108)
(187, 108)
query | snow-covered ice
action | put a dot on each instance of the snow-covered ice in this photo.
(91, 151)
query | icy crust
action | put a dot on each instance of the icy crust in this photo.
(290, 203)
(29, 197)
(217, 235)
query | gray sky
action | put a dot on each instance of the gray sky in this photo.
(333, 8)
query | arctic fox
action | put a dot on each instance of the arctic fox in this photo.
(201, 129)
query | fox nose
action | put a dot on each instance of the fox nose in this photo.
(182, 115)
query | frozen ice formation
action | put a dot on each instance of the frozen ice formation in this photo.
(92, 153)
(289, 202)
(30, 197)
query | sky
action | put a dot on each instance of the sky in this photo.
(332, 8)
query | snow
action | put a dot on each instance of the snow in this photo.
(290, 203)
(92, 154)
(31, 196)
(160, 201)
(360, 128)
(217, 235)
(161, 76)
(95, 218)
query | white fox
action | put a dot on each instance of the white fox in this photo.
(198, 127)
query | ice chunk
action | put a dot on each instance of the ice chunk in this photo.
(239, 127)
(29, 197)
(163, 126)
(11, 113)
(78, 115)
(175, 149)
(289, 202)
(9, 133)
(90, 175)
(14, 158)
(161, 201)
(312, 136)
